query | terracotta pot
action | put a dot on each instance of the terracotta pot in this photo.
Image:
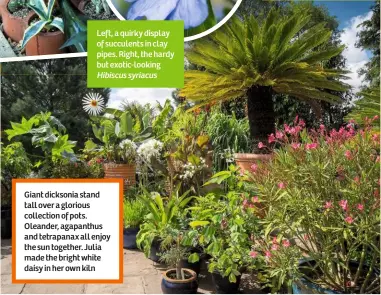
(125, 171)
(244, 161)
(13, 26)
(46, 43)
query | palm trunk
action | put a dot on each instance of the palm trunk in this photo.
(260, 111)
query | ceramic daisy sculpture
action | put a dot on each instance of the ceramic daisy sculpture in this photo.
(192, 12)
(93, 103)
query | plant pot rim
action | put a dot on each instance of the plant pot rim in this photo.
(191, 272)
(115, 163)
(249, 157)
(11, 15)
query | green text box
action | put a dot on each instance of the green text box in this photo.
(140, 54)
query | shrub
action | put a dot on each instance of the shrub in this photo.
(134, 212)
(322, 191)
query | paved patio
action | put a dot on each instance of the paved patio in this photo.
(141, 276)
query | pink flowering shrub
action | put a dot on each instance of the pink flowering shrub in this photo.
(322, 191)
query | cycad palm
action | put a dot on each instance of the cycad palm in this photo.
(257, 60)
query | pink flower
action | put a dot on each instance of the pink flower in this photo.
(375, 137)
(253, 254)
(275, 247)
(295, 145)
(245, 203)
(360, 207)
(356, 179)
(302, 123)
(254, 167)
(281, 185)
(328, 205)
(261, 145)
(271, 138)
(286, 243)
(344, 204)
(279, 134)
(348, 219)
(348, 154)
(378, 159)
(311, 146)
(268, 254)
(322, 127)
(255, 199)
(376, 117)
(275, 240)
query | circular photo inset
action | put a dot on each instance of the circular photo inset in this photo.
(201, 17)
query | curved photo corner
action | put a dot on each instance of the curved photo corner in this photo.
(208, 15)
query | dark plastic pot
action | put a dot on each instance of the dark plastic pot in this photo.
(155, 249)
(195, 266)
(6, 222)
(174, 286)
(223, 285)
(129, 238)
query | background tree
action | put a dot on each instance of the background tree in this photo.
(369, 39)
(56, 85)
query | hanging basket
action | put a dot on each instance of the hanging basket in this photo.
(125, 171)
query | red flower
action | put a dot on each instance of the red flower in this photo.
(328, 205)
(357, 179)
(348, 219)
(344, 204)
(275, 240)
(348, 154)
(281, 185)
(279, 134)
(286, 243)
(253, 254)
(254, 167)
(271, 138)
(261, 145)
(360, 207)
(275, 247)
(295, 145)
(311, 146)
(268, 254)
(255, 199)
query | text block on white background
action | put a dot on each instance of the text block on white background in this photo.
(67, 230)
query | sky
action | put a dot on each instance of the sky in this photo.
(349, 14)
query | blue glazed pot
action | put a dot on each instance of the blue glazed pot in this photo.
(129, 237)
(170, 285)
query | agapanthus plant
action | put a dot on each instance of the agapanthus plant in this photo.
(322, 190)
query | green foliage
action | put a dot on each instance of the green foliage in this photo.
(78, 169)
(47, 20)
(322, 188)
(101, 5)
(369, 39)
(47, 133)
(163, 214)
(227, 136)
(14, 5)
(224, 223)
(14, 164)
(262, 55)
(134, 212)
(367, 107)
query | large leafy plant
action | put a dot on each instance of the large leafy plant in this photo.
(163, 214)
(255, 59)
(322, 190)
(47, 133)
(134, 212)
(46, 20)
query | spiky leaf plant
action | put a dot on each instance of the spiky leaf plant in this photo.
(257, 60)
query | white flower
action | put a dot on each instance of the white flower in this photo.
(128, 149)
(93, 103)
(150, 149)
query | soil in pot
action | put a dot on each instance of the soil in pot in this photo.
(129, 238)
(171, 285)
(89, 9)
(15, 24)
(6, 222)
(223, 285)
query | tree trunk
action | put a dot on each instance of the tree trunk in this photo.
(260, 111)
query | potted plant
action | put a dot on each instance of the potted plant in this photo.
(163, 212)
(45, 34)
(14, 164)
(15, 17)
(133, 215)
(95, 9)
(177, 280)
(118, 146)
(286, 63)
(225, 224)
(328, 202)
